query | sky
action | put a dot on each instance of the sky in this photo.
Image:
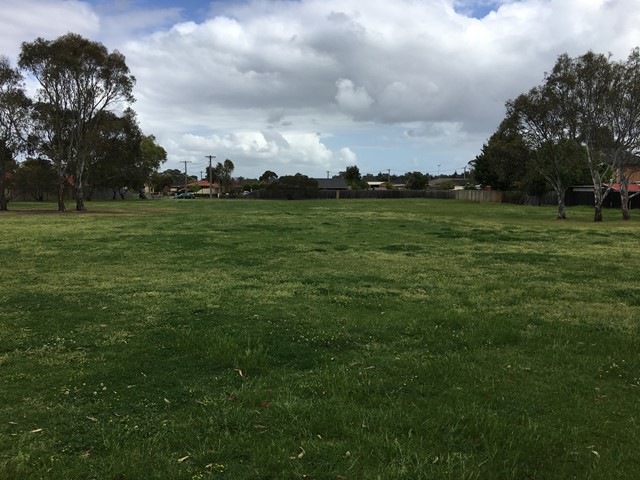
(314, 86)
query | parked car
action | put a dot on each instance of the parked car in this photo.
(186, 195)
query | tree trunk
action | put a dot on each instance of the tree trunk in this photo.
(79, 187)
(61, 207)
(597, 213)
(562, 209)
(3, 198)
(80, 199)
(624, 202)
(598, 199)
(624, 198)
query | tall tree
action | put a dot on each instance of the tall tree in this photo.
(116, 148)
(504, 160)
(354, 179)
(416, 181)
(541, 116)
(14, 116)
(588, 81)
(268, 176)
(602, 112)
(625, 125)
(222, 173)
(35, 176)
(123, 157)
(78, 79)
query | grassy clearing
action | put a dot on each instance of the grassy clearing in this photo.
(320, 339)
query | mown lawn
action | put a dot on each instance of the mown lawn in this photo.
(373, 339)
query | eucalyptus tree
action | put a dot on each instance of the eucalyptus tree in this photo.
(123, 157)
(115, 151)
(14, 122)
(35, 176)
(603, 111)
(541, 117)
(78, 80)
(589, 79)
(504, 160)
(625, 125)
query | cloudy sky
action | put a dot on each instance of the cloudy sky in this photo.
(313, 86)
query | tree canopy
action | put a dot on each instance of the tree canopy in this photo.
(78, 81)
(14, 115)
(582, 122)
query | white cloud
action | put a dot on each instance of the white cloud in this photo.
(347, 156)
(257, 81)
(351, 99)
(25, 20)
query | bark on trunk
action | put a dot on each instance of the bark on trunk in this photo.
(3, 198)
(562, 209)
(598, 199)
(625, 199)
(61, 206)
(597, 213)
(80, 199)
(79, 187)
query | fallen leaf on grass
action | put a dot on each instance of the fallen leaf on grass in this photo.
(180, 460)
(239, 372)
(12, 423)
(37, 430)
(93, 419)
(299, 455)
(435, 460)
(166, 401)
(595, 453)
(265, 404)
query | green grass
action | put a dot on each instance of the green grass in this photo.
(318, 339)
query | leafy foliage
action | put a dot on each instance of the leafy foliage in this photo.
(294, 187)
(14, 113)
(36, 176)
(416, 181)
(79, 80)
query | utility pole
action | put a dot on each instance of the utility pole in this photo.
(438, 170)
(328, 173)
(210, 157)
(186, 178)
(388, 175)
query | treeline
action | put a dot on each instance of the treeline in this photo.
(580, 126)
(78, 129)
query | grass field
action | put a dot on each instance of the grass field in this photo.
(415, 339)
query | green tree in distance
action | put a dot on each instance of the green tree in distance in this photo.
(354, 179)
(36, 176)
(416, 181)
(268, 176)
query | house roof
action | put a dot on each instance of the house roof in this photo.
(332, 183)
(203, 183)
(633, 187)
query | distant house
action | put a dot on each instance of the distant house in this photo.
(448, 183)
(205, 187)
(376, 185)
(332, 184)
